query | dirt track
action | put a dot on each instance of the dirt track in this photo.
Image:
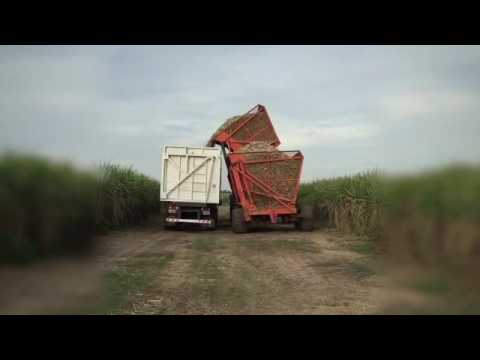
(274, 270)
(267, 271)
(146, 270)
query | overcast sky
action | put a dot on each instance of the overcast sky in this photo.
(347, 108)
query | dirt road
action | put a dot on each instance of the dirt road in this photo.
(273, 270)
(276, 270)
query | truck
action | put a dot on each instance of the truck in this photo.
(190, 186)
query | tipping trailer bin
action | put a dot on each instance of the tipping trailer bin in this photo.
(190, 185)
(265, 187)
(254, 125)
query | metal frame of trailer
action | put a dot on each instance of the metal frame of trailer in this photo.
(256, 125)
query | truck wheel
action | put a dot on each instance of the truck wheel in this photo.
(239, 225)
(213, 225)
(214, 219)
(168, 226)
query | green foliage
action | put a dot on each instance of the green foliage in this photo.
(126, 197)
(125, 281)
(225, 197)
(204, 244)
(45, 207)
(350, 203)
(363, 186)
(364, 247)
(361, 270)
(429, 221)
(453, 192)
(49, 208)
(358, 203)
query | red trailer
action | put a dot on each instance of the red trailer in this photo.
(265, 184)
(265, 188)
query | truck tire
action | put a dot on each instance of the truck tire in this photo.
(168, 226)
(239, 225)
(213, 224)
(214, 219)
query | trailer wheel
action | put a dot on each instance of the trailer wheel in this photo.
(231, 204)
(297, 224)
(305, 222)
(239, 225)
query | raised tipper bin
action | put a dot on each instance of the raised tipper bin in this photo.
(254, 125)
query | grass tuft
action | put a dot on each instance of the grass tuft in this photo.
(204, 244)
(125, 281)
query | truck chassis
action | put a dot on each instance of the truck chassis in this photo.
(205, 215)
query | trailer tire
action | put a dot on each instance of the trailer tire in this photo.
(297, 224)
(232, 204)
(239, 225)
(305, 222)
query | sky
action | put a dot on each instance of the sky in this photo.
(347, 108)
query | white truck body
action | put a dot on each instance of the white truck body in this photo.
(191, 175)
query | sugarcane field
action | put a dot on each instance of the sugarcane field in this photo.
(186, 197)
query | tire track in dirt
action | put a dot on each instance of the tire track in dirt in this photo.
(265, 271)
(276, 272)
(304, 287)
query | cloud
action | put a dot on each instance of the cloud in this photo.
(412, 105)
(346, 107)
(324, 136)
